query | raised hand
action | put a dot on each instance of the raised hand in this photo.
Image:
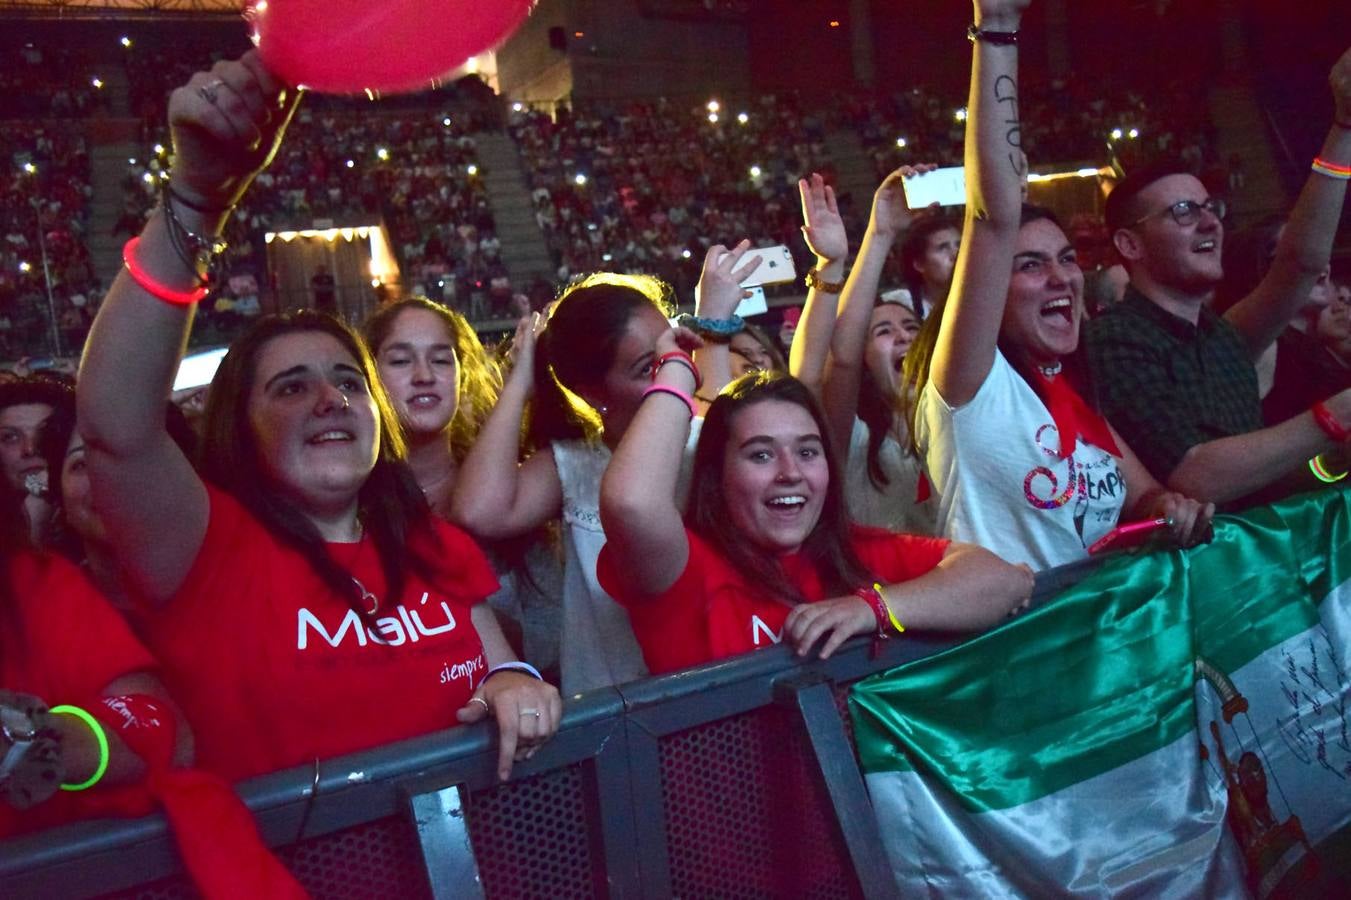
(823, 227)
(226, 125)
(1000, 15)
(1340, 81)
(891, 213)
(678, 338)
(719, 289)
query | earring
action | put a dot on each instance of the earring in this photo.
(603, 409)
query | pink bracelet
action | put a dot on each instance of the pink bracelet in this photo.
(674, 392)
(151, 286)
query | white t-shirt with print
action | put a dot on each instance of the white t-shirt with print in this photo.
(999, 481)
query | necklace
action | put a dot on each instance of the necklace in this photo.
(366, 595)
(1051, 370)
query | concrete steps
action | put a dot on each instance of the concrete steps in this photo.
(524, 251)
(108, 162)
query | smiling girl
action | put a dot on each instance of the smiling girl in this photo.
(765, 552)
(1020, 462)
(301, 597)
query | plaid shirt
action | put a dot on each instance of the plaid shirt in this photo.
(1167, 385)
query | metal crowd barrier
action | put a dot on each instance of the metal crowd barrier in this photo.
(734, 779)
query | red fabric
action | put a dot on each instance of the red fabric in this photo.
(62, 642)
(214, 830)
(712, 611)
(273, 668)
(1073, 417)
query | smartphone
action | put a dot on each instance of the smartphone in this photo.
(754, 305)
(946, 187)
(198, 369)
(1128, 536)
(776, 266)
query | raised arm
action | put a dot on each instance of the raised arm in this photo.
(638, 509)
(1306, 243)
(716, 297)
(495, 495)
(995, 163)
(823, 228)
(844, 370)
(226, 125)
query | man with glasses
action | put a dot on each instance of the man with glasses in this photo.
(1176, 380)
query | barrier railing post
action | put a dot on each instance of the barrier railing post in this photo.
(443, 837)
(810, 694)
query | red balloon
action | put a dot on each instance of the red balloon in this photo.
(391, 46)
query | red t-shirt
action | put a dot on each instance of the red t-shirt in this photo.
(273, 668)
(712, 611)
(61, 641)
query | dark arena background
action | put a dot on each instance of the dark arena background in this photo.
(628, 136)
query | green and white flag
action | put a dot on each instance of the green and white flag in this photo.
(1176, 725)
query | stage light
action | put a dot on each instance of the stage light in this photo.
(131, 161)
(148, 178)
(375, 282)
(97, 83)
(900, 142)
(960, 114)
(1116, 134)
(1086, 173)
(714, 106)
(713, 117)
(1133, 133)
(125, 42)
(351, 164)
(580, 179)
(578, 34)
(30, 168)
(381, 154)
(742, 118)
(25, 267)
(471, 169)
(687, 254)
(517, 107)
(159, 149)
(446, 121)
(755, 171)
(606, 257)
(834, 23)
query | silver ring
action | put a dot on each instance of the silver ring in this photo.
(530, 712)
(480, 700)
(208, 91)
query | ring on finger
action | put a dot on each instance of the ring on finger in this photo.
(530, 711)
(210, 90)
(482, 701)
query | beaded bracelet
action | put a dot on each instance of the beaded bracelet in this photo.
(716, 329)
(684, 359)
(1331, 426)
(100, 736)
(151, 286)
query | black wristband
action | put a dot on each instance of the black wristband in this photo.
(206, 210)
(994, 38)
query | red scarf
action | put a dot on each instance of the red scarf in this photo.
(1073, 417)
(215, 831)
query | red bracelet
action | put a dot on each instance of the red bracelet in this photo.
(1329, 423)
(153, 287)
(874, 600)
(679, 356)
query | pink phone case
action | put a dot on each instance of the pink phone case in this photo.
(1124, 537)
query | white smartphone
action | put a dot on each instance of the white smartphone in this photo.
(946, 187)
(754, 305)
(776, 266)
(198, 369)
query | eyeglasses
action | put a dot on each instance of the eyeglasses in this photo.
(1187, 212)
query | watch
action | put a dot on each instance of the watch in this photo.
(19, 734)
(31, 765)
(995, 38)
